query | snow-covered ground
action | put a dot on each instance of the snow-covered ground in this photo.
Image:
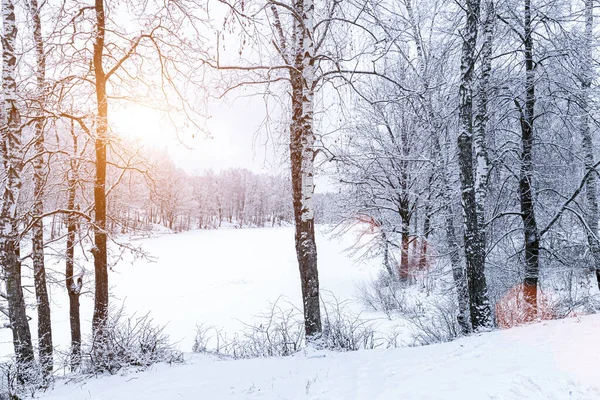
(222, 278)
(551, 360)
(227, 277)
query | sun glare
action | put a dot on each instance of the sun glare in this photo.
(137, 122)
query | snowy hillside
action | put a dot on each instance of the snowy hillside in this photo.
(553, 360)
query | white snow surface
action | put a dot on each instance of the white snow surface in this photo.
(551, 360)
(227, 277)
(222, 278)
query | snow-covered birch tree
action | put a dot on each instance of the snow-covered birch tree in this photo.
(12, 157)
(39, 178)
(474, 238)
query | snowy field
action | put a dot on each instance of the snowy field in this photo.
(554, 360)
(222, 278)
(228, 277)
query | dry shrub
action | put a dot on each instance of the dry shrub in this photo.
(280, 332)
(129, 341)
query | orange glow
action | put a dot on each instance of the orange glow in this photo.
(512, 310)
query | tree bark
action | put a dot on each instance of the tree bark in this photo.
(423, 256)
(480, 312)
(481, 116)
(12, 158)
(73, 283)
(100, 249)
(591, 184)
(302, 166)
(39, 269)
(405, 272)
(458, 269)
(530, 229)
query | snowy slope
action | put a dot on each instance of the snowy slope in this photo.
(552, 360)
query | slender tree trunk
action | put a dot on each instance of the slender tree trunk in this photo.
(481, 116)
(591, 184)
(405, 272)
(480, 312)
(530, 229)
(423, 257)
(302, 166)
(458, 270)
(73, 283)
(100, 250)
(39, 269)
(386, 256)
(404, 207)
(12, 158)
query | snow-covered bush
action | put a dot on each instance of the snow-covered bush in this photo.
(280, 332)
(434, 322)
(18, 381)
(129, 342)
(382, 294)
(429, 305)
(344, 330)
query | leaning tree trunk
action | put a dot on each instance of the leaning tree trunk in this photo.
(591, 184)
(530, 229)
(39, 269)
(474, 239)
(12, 157)
(100, 251)
(302, 166)
(73, 284)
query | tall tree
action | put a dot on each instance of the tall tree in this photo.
(39, 269)
(474, 239)
(12, 157)
(296, 42)
(73, 282)
(100, 235)
(302, 157)
(165, 58)
(591, 185)
(527, 118)
(481, 114)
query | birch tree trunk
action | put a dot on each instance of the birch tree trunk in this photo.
(302, 166)
(39, 269)
(481, 116)
(73, 284)
(12, 157)
(591, 185)
(100, 250)
(480, 312)
(530, 229)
